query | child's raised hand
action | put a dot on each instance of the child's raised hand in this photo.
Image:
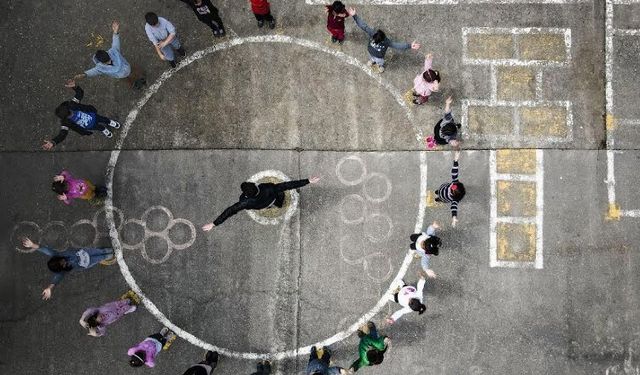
(58, 178)
(449, 100)
(415, 45)
(429, 56)
(351, 11)
(26, 242)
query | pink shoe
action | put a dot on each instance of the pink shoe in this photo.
(430, 142)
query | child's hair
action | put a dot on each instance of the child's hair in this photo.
(431, 245)
(58, 264)
(418, 306)
(102, 56)
(92, 320)
(457, 191)
(249, 189)
(62, 111)
(151, 18)
(137, 359)
(337, 6)
(375, 356)
(430, 75)
(449, 129)
(60, 187)
(379, 36)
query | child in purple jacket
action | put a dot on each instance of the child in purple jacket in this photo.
(69, 188)
(146, 351)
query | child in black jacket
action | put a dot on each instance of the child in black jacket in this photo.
(81, 118)
(207, 14)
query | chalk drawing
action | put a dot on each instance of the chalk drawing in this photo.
(131, 117)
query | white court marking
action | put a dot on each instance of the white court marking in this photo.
(538, 220)
(539, 66)
(113, 160)
(451, 2)
(610, 33)
(292, 206)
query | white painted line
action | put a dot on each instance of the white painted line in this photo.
(113, 160)
(608, 58)
(539, 85)
(611, 177)
(630, 213)
(515, 220)
(628, 121)
(539, 207)
(515, 177)
(625, 2)
(625, 32)
(514, 62)
(516, 30)
(494, 84)
(493, 211)
(524, 103)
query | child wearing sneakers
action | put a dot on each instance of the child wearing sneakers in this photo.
(81, 118)
(410, 298)
(96, 319)
(146, 351)
(262, 11)
(426, 82)
(336, 14)
(206, 366)
(371, 348)
(446, 130)
(452, 192)
(426, 244)
(162, 34)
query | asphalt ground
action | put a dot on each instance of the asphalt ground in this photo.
(539, 277)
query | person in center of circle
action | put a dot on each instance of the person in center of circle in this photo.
(259, 196)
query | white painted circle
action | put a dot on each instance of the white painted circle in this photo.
(113, 160)
(358, 200)
(292, 206)
(387, 192)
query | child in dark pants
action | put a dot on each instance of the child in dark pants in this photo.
(371, 348)
(207, 14)
(146, 351)
(336, 14)
(205, 367)
(81, 118)
(263, 368)
(452, 192)
(262, 10)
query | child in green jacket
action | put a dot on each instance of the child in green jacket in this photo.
(371, 348)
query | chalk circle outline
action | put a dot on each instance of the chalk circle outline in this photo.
(32, 224)
(371, 236)
(358, 180)
(358, 198)
(387, 192)
(293, 205)
(152, 89)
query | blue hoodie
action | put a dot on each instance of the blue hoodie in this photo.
(120, 67)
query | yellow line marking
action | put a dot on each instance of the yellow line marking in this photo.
(614, 212)
(610, 121)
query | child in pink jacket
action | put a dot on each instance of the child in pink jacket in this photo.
(145, 352)
(426, 82)
(69, 188)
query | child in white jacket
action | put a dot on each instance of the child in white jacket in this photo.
(410, 298)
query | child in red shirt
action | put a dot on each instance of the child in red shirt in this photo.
(262, 10)
(336, 13)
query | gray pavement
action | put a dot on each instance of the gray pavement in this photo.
(561, 298)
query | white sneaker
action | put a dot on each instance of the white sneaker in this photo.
(107, 133)
(114, 124)
(380, 69)
(164, 331)
(370, 63)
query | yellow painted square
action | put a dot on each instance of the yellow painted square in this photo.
(516, 161)
(490, 46)
(490, 120)
(516, 198)
(516, 242)
(543, 121)
(544, 46)
(516, 83)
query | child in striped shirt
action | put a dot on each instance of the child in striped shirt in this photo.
(452, 192)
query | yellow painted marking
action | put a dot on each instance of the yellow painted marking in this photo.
(610, 121)
(108, 262)
(516, 83)
(431, 200)
(95, 41)
(516, 242)
(614, 212)
(490, 120)
(516, 161)
(408, 96)
(516, 198)
(543, 121)
(490, 46)
(550, 47)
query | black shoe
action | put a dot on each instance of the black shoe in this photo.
(340, 41)
(182, 52)
(211, 358)
(172, 63)
(222, 33)
(139, 83)
(272, 24)
(260, 23)
(333, 39)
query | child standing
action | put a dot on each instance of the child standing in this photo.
(336, 14)
(205, 367)
(262, 11)
(96, 319)
(446, 130)
(263, 368)
(319, 365)
(207, 14)
(379, 43)
(162, 34)
(452, 192)
(426, 82)
(68, 188)
(146, 351)
(426, 244)
(371, 348)
(66, 261)
(81, 118)
(410, 298)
